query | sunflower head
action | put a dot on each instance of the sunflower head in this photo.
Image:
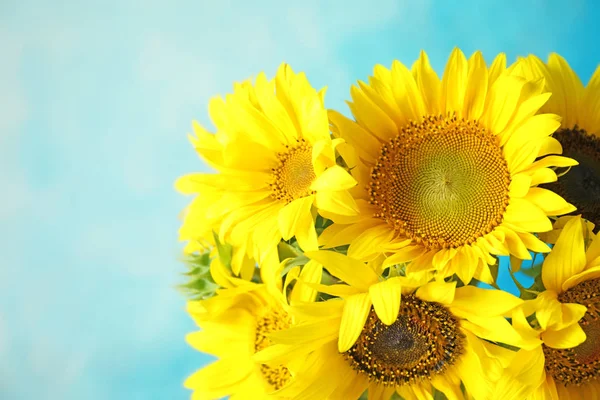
(237, 323)
(579, 134)
(275, 166)
(396, 334)
(448, 168)
(567, 313)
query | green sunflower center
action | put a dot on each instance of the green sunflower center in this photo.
(581, 364)
(424, 341)
(292, 177)
(274, 320)
(581, 185)
(442, 182)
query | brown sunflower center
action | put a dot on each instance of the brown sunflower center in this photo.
(580, 364)
(294, 174)
(581, 185)
(442, 182)
(274, 320)
(424, 341)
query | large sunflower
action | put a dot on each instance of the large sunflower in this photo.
(394, 335)
(579, 133)
(568, 316)
(275, 163)
(447, 168)
(235, 324)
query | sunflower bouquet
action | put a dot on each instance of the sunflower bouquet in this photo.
(357, 258)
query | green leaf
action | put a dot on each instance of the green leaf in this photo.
(225, 251)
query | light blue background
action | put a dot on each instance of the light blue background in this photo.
(95, 103)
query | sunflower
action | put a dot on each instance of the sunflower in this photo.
(275, 164)
(394, 335)
(568, 316)
(447, 169)
(235, 324)
(579, 133)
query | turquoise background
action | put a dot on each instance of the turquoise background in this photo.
(96, 99)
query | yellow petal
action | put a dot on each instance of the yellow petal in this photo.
(307, 333)
(586, 275)
(323, 155)
(519, 185)
(549, 202)
(523, 375)
(565, 338)
(341, 203)
(514, 243)
(439, 292)
(570, 89)
(338, 235)
(477, 84)
(348, 269)
(484, 302)
(567, 257)
(219, 377)
(498, 329)
(381, 94)
(550, 146)
(365, 144)
(356, 310)
(593, 252)
(371, 241)
(370, 116)
(503, 100)
(334, 290)
(406, 92)
(543, 175)
(291, 215)
(531, 100)
(311, 273)
(471, 370)
(526, 216)
(533, 243)
(428, 82)
(454, 83)
(334, 178)
(404, 254)
(497, 68)
(551, 161)
(386, 299)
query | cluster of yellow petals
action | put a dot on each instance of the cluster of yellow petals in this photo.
(360, 253)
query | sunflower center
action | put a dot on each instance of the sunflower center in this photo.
(274, 320)
(294, 174)
(424, 341)
(581, 185)
(581, 364)
(442, 182)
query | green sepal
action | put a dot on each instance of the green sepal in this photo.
(199, 285)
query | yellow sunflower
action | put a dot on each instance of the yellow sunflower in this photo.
(275, 163)
(447, 168)
(579, 133)
(234, 325)
(568, 316)
(394, 335)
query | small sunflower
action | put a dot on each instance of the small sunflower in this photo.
(579, 133)
(568, 316)
(275, 162)
(447, 168)
(394, 335)
(235, 324)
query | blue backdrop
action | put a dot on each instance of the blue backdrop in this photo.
(96, 99)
